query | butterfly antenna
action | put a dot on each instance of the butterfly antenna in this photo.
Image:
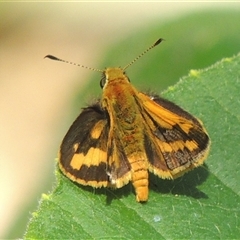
(135, 59)
(76, 64)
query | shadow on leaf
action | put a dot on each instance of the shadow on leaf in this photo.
(185, 185)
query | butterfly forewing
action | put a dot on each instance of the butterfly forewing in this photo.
(83, 152)
(177, 139)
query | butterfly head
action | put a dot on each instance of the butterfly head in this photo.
(113, 74)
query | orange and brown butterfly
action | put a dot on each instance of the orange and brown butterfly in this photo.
(127, 134)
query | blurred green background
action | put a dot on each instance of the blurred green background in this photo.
(40, 98)
(193, 41)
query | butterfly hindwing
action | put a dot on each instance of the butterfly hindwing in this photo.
(119, 167)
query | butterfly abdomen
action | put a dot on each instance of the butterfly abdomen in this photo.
(139, 177)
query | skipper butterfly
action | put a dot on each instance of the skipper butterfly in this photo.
(127, 134)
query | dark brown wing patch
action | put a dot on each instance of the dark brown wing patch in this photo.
(83, 152)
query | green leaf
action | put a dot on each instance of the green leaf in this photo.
(203, 204)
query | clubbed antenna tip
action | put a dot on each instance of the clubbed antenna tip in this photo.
(52, 57)
(158, 41)
(76, 64)
(152, 46)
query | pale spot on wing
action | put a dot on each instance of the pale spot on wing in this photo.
(76, 161)
(75, 147)
(97, 129)
(165, 147)
(185, 125)
(191, 145)
(93, 157)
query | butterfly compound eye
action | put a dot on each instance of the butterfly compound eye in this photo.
(103, 81)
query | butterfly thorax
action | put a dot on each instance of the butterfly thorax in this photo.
(119, 100)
